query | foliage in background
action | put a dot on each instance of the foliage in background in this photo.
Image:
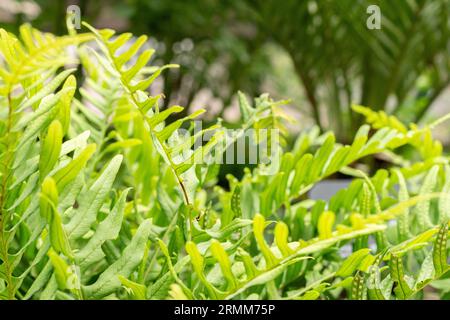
(228, 46)
(400, 68)
(98, 201)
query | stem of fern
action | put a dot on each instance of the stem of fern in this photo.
(273, 291)
(135, 102)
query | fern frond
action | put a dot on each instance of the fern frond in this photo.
(145, 104)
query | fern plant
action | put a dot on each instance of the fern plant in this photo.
(101, 198)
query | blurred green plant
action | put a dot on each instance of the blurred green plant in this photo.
(236, 45)
(99, 198)
(400, 68)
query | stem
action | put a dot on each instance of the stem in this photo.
(183, 189)
(135, 102)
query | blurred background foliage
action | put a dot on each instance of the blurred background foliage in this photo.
(318, 53)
